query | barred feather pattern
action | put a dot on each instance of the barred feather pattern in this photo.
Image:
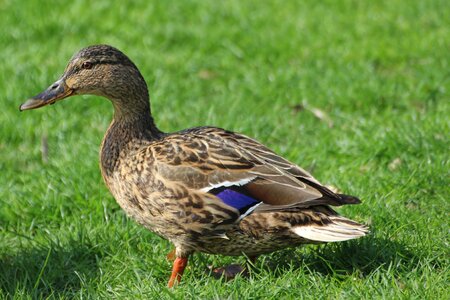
(204, 189)
(163, 183)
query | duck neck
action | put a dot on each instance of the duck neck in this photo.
(131, 127)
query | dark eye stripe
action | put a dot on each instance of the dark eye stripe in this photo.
(76, 69)
(92, 64)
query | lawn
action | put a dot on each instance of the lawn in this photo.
(357, 92)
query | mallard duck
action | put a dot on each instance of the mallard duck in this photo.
(204, 189)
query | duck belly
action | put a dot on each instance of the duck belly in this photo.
(239, 243)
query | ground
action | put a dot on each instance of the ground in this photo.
(357, 92)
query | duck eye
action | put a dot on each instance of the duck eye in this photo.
(86, 65)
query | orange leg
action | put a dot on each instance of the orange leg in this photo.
(177, 271)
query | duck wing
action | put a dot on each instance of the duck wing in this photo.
(240, 171)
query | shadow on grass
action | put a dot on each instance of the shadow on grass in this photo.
(55, 270)
(360, 257)
(48, 270)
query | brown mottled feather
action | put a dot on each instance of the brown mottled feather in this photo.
(165, 181)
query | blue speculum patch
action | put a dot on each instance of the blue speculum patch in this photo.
(237, 200)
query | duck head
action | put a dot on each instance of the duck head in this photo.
(98, 70)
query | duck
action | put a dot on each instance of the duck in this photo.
(205, 189)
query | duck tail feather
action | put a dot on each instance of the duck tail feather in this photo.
(339, 229)
(347, 199)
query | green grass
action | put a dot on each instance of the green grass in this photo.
(380, 70)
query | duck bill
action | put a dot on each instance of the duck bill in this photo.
(57, 91)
